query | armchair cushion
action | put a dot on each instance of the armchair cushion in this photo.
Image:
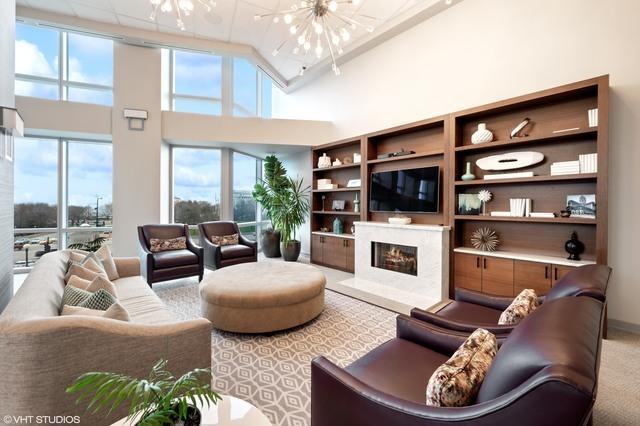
(173, 258)
(157, 245)
(525, 303)
(457, 382)
(225, 240)
(470, 313)
(399, 368)
(235, 250)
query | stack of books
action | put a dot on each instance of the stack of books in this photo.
(588, 163)
(326, 184)
(515, 175)
(520, 207)
(565, 168)
(542, 214)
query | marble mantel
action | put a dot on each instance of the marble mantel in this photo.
(395, 290)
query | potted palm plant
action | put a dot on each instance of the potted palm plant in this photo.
(265, 193)
(158, 400)
(291, 208)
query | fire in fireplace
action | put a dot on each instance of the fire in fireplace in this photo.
(395, 257)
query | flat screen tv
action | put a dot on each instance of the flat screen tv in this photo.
(405, 191)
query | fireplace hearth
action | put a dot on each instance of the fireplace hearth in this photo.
(395, 257)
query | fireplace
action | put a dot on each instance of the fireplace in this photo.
(395, 257)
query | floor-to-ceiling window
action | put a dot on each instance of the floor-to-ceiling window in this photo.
(196, 82)
(246, 172)
(63, 65)
(62, 195)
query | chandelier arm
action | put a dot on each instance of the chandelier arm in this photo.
(326, 36)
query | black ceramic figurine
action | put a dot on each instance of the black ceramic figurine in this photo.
(574, 247)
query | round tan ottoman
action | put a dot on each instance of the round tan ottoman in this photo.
(262, 297)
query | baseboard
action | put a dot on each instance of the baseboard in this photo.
(624, 326)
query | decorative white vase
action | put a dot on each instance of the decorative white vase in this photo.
(481, 135)
(324, 161)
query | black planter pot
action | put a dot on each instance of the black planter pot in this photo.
(270, 241)
(194, 417)
(290, 250)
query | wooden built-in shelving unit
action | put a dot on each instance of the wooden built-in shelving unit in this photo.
(445, 141)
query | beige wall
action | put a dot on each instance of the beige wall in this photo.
(482, 51)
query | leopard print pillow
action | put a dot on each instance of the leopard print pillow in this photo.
(457, 382)
(158, 244)
(225, 240)
(523, 305)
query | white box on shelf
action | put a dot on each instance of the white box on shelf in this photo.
(331, 186)
(399, 220)
(593, 117)
(322, 182)
(501, 214)
(588, 163)
(542, 214)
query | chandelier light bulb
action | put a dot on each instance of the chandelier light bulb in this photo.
(303, 3)
(275, 52)
(370, 28)
(288, 18)
(301, 73)
(335, 69)
(346, 36)
(186, 5)
(355, 2)
(301, 39)
(180, 24)
(155, 2)
(307, 46)
(166, 6)
(333, 5)
(293, 29)
(319, 30)
(319, 50)
(276, 19)
(296, 50)
(340, 51)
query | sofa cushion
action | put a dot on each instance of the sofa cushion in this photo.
(82, 272)
(157, 245)
(142, 303)
(225, 240)
(457, 382)
(399, 368)
(101, 299)
(170, 259)
(98, 283)
(115, 311)
(109, 265)
(235, 250)
(525, 303)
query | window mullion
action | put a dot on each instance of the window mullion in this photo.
(62, 191)
(227, 85)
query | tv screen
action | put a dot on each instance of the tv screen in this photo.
(410, 191)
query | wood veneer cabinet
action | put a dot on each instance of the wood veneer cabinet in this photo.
(334, 252)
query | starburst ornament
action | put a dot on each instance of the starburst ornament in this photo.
(318, 26)
(485, 239)
(179, 7)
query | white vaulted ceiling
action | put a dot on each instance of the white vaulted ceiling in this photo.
(233, 21)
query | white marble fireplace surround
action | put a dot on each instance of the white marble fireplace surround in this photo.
(395, 290)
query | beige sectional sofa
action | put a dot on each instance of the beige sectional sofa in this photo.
(41, 352)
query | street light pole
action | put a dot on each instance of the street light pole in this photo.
(98, 198)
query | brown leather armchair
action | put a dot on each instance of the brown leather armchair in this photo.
(168, 265)
(215, 256)
(472, 310)
(543, 374)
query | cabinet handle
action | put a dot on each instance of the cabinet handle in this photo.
(478, 262)
(555, 273)
(546, 272)
(484, 263)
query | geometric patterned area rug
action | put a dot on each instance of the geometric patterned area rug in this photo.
(273, 371)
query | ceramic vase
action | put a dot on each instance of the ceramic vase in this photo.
(338, 226)
(324, 161)
(468, 175)
(481, 135)
(356, 205)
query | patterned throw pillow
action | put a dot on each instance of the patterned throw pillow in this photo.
(523, 305)
(100, 300)
(109, 265)
(457, 382)
(93, 286)
(225, 240)
(158, 244)
(74, 296)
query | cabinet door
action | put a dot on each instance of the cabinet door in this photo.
(497, 276)
(533, 275)
(467, 271)
(560, 271)
(334, 252)
(351, 254)
(316, 248)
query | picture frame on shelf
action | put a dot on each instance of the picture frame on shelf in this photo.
(354, 183)
(338, 205)
(469, 205)
(582, 205)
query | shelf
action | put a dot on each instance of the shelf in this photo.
(344, 166)
(331, 234)
(530, 257)
(590, 131)
(336, 213)
(408, 156)
(337, 190)
(534, 179)
(560, 220)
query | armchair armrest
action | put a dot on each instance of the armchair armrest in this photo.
(146, 257)
(247, 242)
(211, 252)
(453, 325)
(127, 266)
(493, 302)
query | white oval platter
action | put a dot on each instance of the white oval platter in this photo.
(510, 160)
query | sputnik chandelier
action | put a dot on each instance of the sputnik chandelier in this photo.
(318, 25)
(179, 7)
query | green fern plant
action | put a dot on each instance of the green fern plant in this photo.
(93, 245)
(158, 400)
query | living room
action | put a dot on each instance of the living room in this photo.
(292, 201)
